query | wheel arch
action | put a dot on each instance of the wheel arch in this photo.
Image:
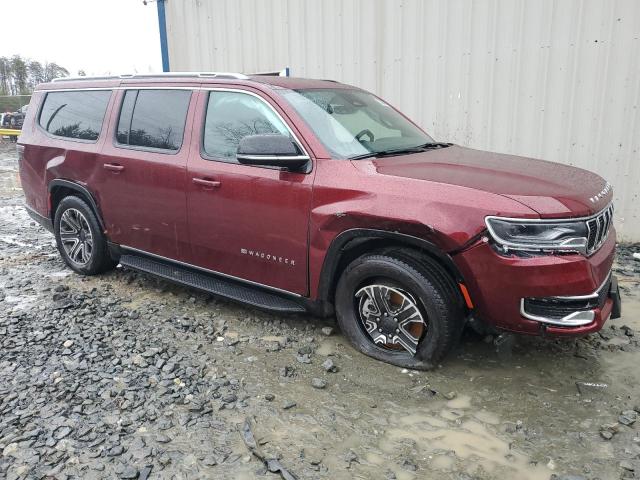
(353, 243)
(59, 189)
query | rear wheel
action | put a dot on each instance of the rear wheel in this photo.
(79, 238)
(400, 309)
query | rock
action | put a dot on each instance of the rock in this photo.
(606, 434)
(67, 343)
(229, 398)
(409, 465)
(287, 371)
(450, 395)
(305, 350)
(210, 461)
(327, 331)
(288, 404)
(61, 432)
(627, 420)
(628, 331)
(129, 472)
(139, 361)
(318, 383)
(269, 397)
(169, 368)
(145, 472)
(161, 438)
(329, 366)
(116, 451)
(591, 388)
(627, 465)
(304, 358)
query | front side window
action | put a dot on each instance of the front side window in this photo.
(352, 123)
(230, 117)
(153, 118)
(78, 114)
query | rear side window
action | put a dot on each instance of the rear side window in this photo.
(231, 116)
(153, 119)
(77, 114)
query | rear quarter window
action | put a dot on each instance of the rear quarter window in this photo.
(78, 115)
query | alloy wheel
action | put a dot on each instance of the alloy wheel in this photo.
(391, 317)
(76, 237)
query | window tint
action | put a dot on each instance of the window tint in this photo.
(153, 118)
(231, 116)
(75, 114)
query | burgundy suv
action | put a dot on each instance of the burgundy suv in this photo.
(297, 195)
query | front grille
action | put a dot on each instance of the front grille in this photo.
(598, 229)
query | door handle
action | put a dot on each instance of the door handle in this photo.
(206, 183)
(114, 167)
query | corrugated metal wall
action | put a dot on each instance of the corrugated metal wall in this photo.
(553, 79)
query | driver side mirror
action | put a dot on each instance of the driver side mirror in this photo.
(270, 150)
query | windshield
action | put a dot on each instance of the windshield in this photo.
(353, 123)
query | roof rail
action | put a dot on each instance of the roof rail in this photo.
(239, 76)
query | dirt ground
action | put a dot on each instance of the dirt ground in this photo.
(126, 376)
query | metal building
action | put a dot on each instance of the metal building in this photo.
(552, 79)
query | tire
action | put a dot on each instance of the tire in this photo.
(409, 278)
(91, 255)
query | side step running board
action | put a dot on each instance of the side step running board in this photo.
(212, 284)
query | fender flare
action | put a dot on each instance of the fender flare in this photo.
(58, 182)
(354, 236)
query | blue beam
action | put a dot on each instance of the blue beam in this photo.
(162, 25)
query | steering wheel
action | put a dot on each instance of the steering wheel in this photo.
(366, 132)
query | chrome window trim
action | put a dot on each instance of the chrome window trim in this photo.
(214, 272)
(272, 157)
(246, 92)
(550, 221)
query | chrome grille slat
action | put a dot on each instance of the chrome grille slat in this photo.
(598, 229)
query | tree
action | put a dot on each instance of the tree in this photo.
(5, 75)
(53, 70)
(19, 73)
(19, 76)
(36, 73)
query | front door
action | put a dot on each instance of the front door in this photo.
(142, 170)
(245, 221)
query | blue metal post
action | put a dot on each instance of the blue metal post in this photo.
(162, 25)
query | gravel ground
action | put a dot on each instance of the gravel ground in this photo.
(126, 376)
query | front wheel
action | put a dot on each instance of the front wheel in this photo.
(80, 241)
(399, 309)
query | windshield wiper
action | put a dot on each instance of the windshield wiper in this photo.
(401, 151)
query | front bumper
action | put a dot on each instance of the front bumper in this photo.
(545, 294)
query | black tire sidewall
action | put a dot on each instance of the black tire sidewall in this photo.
(429, 297)
(99, 252)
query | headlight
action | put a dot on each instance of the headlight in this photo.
(538, 235)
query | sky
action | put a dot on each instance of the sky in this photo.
(97, 36)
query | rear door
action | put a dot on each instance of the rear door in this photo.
(245, 221)
(142, 170)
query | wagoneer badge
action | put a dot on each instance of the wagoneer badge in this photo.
(268, 256)
(603, 192)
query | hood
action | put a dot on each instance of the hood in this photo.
(551, 189)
